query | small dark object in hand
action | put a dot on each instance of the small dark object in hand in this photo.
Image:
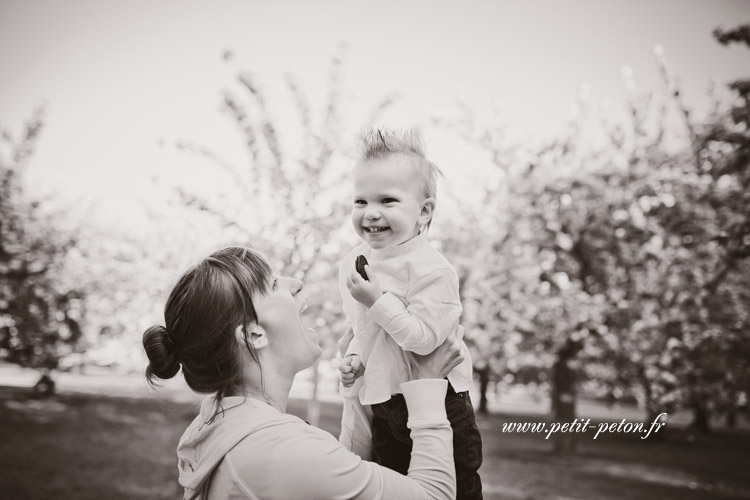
(359, 265)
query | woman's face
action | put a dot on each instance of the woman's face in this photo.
(294, 345)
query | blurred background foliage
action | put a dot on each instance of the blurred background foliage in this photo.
(614, 268)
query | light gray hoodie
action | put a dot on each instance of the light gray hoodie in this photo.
(250, 450)
(207, 440)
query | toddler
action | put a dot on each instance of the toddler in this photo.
(408, 300)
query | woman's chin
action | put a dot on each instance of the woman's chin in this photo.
(312, 335)
(315, 356)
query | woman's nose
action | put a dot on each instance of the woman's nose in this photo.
(296, 286)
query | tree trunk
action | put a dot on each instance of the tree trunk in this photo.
(564, 399)
(700, 417)
(731, 418)
(313, 405)
(45, 386)
(649, 405)
(484, 383)
(697, 402)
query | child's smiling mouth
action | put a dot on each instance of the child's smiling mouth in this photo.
(374, 230)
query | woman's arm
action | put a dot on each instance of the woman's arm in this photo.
(306, 462)
(293, 460)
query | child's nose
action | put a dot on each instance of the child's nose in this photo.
(373, 214)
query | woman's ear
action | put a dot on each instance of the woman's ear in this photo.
(257, 336)
(426, 211)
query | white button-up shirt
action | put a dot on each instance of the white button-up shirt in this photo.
(419, 308)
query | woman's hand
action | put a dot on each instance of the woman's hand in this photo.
(439, 362)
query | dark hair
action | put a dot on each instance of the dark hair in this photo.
(205, 307)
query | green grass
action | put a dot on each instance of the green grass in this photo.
(95, 447)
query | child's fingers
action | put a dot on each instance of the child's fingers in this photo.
(355, 278)
(356, 364)
(370, 276)
(347, 379)
(346, 365)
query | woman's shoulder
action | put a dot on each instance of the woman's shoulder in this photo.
(286, 435)
(276, 454)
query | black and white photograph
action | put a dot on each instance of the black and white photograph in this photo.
(383, 250)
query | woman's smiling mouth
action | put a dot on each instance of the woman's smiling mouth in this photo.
(313, 333)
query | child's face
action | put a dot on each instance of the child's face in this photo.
(389, 207)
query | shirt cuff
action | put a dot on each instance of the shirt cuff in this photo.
(385, 308)
(425, 400)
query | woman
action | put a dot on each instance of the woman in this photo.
(235, 329)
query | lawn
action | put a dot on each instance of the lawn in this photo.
(98, 447)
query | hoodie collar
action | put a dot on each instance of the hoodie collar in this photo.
(212, 435)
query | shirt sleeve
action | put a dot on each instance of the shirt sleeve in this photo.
(353, 348)
(342, 276)
(347, 342)
(432, 312)
(356, 421)
(315, 466)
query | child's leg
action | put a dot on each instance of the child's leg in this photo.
(467, 445)
(391, 441)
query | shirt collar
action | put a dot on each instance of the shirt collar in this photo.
(402, 249)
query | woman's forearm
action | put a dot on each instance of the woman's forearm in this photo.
(306, 462)
(431, 466)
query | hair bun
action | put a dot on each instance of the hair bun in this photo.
(162, 355)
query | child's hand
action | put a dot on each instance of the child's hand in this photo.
(365, 292)
(351, 369)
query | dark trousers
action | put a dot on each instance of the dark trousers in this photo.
(391, 441)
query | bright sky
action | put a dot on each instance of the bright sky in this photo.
(121, 75)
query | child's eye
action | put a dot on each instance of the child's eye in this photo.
(360, 202)
(390, 200)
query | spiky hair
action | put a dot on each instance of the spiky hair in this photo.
(382, 143)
